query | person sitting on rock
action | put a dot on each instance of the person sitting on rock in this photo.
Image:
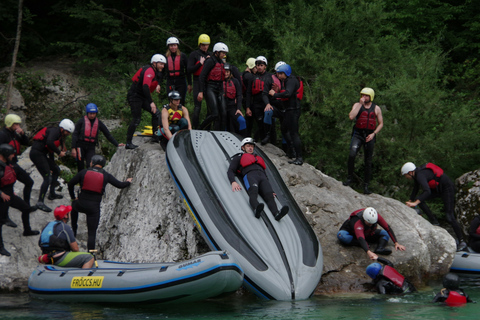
(58, 244)
(387, 279)
(474, 233)
(361, 227)
(451, 294)
(174, 118)
(252, 167)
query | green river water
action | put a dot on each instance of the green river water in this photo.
(247, 306)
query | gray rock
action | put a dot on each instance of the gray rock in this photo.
(467, 198)
(148, 222)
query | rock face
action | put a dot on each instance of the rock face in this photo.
(148, 222)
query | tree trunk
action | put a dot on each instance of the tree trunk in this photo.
(14, 57)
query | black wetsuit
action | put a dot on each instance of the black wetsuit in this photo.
(254, 99)
(177, 78)
(389, 281)
(474, 233)
(233, 99)
(195, 68)
(92, 182)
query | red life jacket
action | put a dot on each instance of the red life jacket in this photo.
(300, 89)
(229, 89)
(138, 80)
(217, 73)
(9, 176)
(366, 118)
(16, 145)
(93, 181)
(478, 230)
(90, 132)
(41, 135)
(437, 171)
(249, 159)
(174, 66)
(257, 86)
(393, 275)
(455, 298)
(199, 70)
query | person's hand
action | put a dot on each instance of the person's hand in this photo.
(121, 145)
(5, 197)
(154, 107)
(362, 100)
(411, 204)
(236, 186)
(157, 89)
(189, 88)
(202, 60)
(276, 87)
(271, 92)
(268, 108)
(399, 247)
(129, 180)
(20, 131)
(248, 112)
(200, 96)
(372, 255)
(370, 137)
(239, 112)
(74, 153)
(62, 154)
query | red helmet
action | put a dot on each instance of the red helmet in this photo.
(61, 211)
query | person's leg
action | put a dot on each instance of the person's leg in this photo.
(93, 219)
(292, 118)
(3, 216)
(347, 239)
(76, 208)
(155, 119)
(89, 152)
(40, 161)
(448, 197)
(197, 104)
(27, 181)
(222, 111)
(431, 217)
(213, 112)
(136, 110)
(18, 203)
(355, 145)
(55, 174)
(382, 237)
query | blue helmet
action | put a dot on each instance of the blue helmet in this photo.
(91, 108)
(373, 269)
(285, 68)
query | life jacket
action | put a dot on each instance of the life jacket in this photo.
(217, 73)
(393, 275)
(93, 181)
(455, 298)
(300, 89)
(248, 159)
(138, 81)
(49, 242)
(437, 172)
(257, 86)
(478, 230)
(174, 66)
(15, 144)
(41, 135)
(89, 131)
(366, 118)
(229, 89)
(9, 175)
(368, 230)
(174, 116)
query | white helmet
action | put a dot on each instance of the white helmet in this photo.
(220, 46)
(248, 141)
(67, 125)
(407, 167)
(172, 40)
(158, 58)
(279, 63)
(370, 215)
(261, 58)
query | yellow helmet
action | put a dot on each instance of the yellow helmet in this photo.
(250, 63)
(10, 119)
(368, 92)
(203, 39)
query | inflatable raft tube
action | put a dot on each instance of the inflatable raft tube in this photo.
(466, 262)
(204, 277)
(282, 260)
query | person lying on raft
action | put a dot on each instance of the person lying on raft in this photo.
(251, 167)
(451, 294)
(387, 279)
(361, 227)
(58, 244)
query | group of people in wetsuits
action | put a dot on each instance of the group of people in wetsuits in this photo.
(236, 102)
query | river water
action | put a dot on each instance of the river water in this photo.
(247, 306)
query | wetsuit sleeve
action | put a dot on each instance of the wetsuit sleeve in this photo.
(192, 64)
(238, 89)
(202, 79)
(76, 132)
(107, 133)
(116, 183)
(267, 85)
(148, 77)
(422, 179)
(232, 169)
(74, 181)
(441, 296)
(185, 64)
(289, 90)
(53, 134)
(473, 228)
(359, 230)
(387, 228)
(3, 137)
(385, 262)
(248, 95)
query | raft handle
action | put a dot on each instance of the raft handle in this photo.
(120, 273)
(163, 269)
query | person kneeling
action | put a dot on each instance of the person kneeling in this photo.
(58, 244)
(387, 279)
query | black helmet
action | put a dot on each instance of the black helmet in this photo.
(6, 150)
(451, 281)
(227, 66)
(174, 95)
(98, 159)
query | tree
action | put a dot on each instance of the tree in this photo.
(15, 52)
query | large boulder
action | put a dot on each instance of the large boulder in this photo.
(148, 222)
(467, 198)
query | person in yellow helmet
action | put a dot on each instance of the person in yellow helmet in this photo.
(368, 123)
(195, 64)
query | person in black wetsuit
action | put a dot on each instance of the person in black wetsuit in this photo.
(366, 115)
(176, 71)
(175, 117)
(451, 295)
(196, 60)
(361, 227)
(46, 142)
(252, 170)
(434, 183)
(474, 233)
(247, 79)
(92, 184)
(387, 279)
(8, 197)
(14, 135)
(233, 99)
(85, 136)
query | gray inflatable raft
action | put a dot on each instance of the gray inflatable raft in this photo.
(466, 262)
(282, 260)
(204, 277)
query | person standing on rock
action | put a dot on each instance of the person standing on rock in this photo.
(252, 167)
(366, 115)
(92, 184)
(144, 82)
(434, 183)
(58, 244)
(85, 136)
(14, 135)
(361, 227)
(45, 143)
(8, 197)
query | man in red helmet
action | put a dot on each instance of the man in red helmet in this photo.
(58, 244)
